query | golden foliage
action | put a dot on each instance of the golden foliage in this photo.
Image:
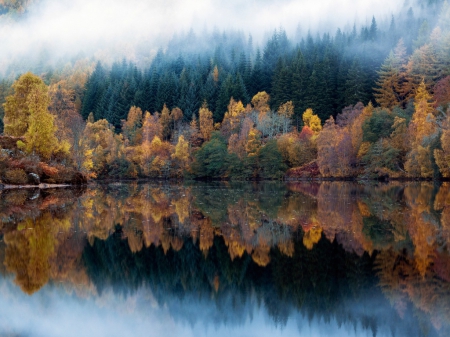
(206, 121)
(261, 103)
(17, 109)
(312, 237)
(165, 122)
(131, 128)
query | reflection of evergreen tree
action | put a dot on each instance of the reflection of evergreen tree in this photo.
(322, 283)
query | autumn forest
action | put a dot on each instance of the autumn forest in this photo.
(226, 168)
(369, 103)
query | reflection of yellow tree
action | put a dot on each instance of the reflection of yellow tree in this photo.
(261, 255)
(30, 248)
(311, 237)
(421, 225)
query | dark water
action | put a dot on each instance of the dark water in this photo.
(329, 259)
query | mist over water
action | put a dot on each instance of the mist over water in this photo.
(55, 312)
(113, 29)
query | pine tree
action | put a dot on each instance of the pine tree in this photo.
(281, 84)
(355, 85)
(390, 90)
(225, 93)
(256, 77)
(299, 82)
(210, 91)
(95, 87)
(239, 91)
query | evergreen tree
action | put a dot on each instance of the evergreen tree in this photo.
(281, 84)
(226, 91)
(95, 87)
(210, 91)
(299, 83)
(239, 91)
(355, 85)
(256, 77)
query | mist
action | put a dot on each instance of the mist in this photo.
(113, 29)
(54, 311)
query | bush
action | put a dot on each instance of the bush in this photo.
(271, 161)
(15, 177)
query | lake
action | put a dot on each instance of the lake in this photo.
(226, 259)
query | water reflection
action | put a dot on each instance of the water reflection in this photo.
(365, 259)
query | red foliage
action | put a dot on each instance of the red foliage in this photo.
(305, 187)
(442, 92)
(306, 133)
(310, 170)
(48, 170)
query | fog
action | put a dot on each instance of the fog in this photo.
(55, 312)
(112, 29)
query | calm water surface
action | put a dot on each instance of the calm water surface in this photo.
(267, 259)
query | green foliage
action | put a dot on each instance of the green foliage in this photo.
(270, 161)
(238, 169)
(381, 159)
(210, 158)
(379, 125)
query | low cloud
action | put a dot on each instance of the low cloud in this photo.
(113, 29)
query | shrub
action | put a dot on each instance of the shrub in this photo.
(15, 177)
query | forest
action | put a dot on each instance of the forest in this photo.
(371, 102)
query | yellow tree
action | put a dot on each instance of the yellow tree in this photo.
(194, 133)
(151, 127)
(261, 103)
(253, 142)
(131, 128)
(165, 122)
(40, 136)
(17, 110)
(423, 66)
(312, 121)
(155, 159)
(206, 121)
(181, 153)
(98, 146)
(422, 125)
(233, 117)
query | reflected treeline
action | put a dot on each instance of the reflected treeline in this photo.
(331, 250)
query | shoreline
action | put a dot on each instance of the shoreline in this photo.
(286, 180)
(40, 186)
